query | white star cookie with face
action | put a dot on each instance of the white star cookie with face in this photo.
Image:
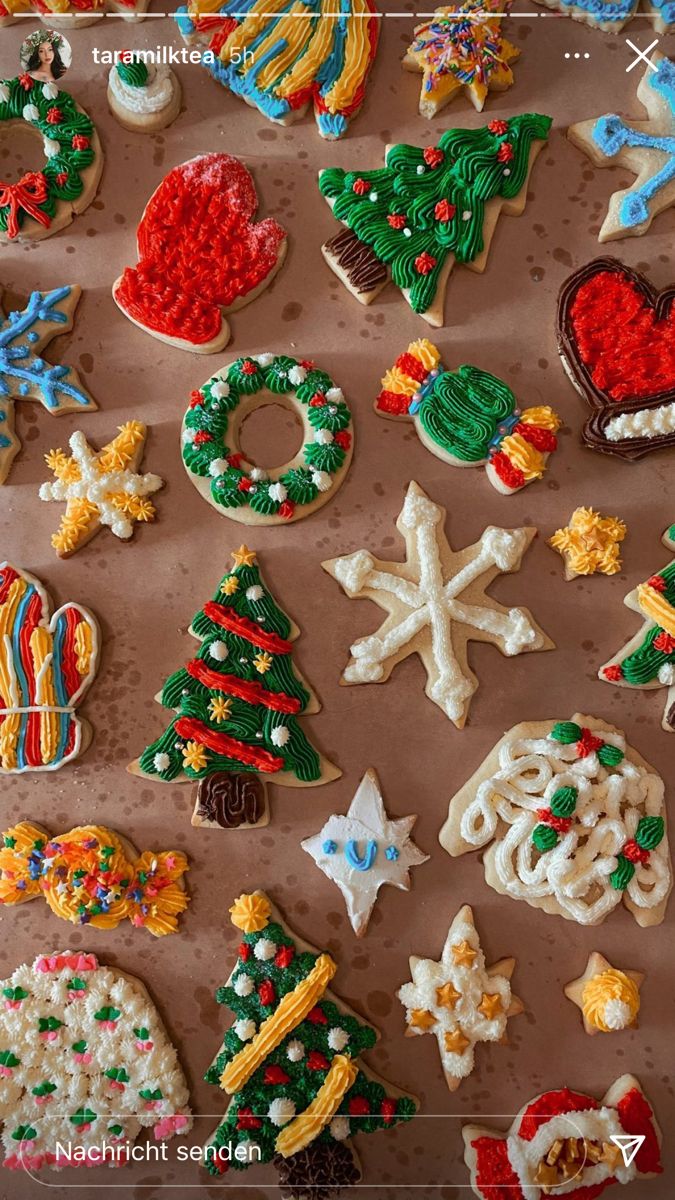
(365, 849)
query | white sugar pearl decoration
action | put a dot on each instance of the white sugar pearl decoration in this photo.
(258, 475)
(322, 480)
(339, 1128)
(420, 170)
(297, 375)
(407, 232)
(220, 389)
(281, 1111)
(263, 360)
(218, 650)
(337, 1038)
(265, 949)
(30, 112)
(255, 592)
(280, 735)
(373, 196)
(51, 147)
(245, 1030)
(295, 1051)
(218, 467)
(324, 437)
(243, 985)
(50, 91)
(161, 762)
(507, 171)
(466, 215)
(278, 492)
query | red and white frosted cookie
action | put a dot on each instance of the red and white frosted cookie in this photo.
(201, 254)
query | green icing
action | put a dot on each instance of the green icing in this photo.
(134, 73)
(622, 874)
(610, 756)
(644, 664)
(544, 837)
(649, 832)
(564, 801)
(565, 732)
(463, 409)
(468, 177)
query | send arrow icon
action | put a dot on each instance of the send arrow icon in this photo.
(628, 1144)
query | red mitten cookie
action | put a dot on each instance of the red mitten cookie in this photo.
(200, 254)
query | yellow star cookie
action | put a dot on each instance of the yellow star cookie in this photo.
(590, 543)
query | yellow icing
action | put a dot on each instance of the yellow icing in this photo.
(291, 1010)
(251, 913)
(41, 647)
(9, 729)
(248, 31)
(308, 1124)
(542, 416)
(524, 456)
(318, 46)
(83, 647)
(610, 985)
(655, 606)
(590, 542)
(357, 57)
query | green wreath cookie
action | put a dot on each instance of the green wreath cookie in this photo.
(41, 202)
(219, 470)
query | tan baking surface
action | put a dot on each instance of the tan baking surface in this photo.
(144, 594)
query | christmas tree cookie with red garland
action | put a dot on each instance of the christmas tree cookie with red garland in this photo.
(201, 254)
(221, 472)
(412, 219)
(237, 704)
(574, 822)
(85, 1064)
(469, 418)
(568, 1144)
(290, 1064)
(647, 661)
(42, 202)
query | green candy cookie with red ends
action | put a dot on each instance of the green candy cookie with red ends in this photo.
(42, 202)
(227, 480)
(426, 209)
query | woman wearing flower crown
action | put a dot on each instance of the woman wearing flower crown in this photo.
(41, 55)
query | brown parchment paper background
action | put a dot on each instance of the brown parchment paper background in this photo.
(145, 592)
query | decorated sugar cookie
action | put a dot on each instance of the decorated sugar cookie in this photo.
(412, 219)
(645, 147)
(237, 706)
(612, 15)
(566, 1143)
(233, 485)
(72, 14)
(573, 819)
(647, 661)
(590, 543)
(100, 488)
(290, 1064)
(283, 58)
(25, 374)
(365, 849)
(44, 201)
(91, 876)
(143, 97)
(461, 48)
(46, 665)
(609, 998)
(459, 1000)
(616, 337)
(201, 254)
(436, 603)
(86, 1064)
(469, 418)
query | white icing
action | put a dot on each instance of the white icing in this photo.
(243, 984)
(51, 147)
(339, 1128)
(667, 674)
(295, 1051)
(595, 1125)
(321, 480)
(281, 1111)
(218, 650)
(265, 949)
(334, 395)
(258, 475)
(156, 95)
(218, 467)
(50, 91)
(472, 982)
(425, 602)
(337, 1038)
(278, 492)
(617, 1014)
(264, 360)
(161, 762)
(255, 592)
(30, 112)
(220, 388)
(245, 1029)
(366, 822)
(280, 735)
(576, 871)
(323, 437)
(96, 486)
(297, 375)
(645, 423)
(4, 92)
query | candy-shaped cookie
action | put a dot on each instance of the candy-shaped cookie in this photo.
(616, 338)
(47, 663)
(211, 449)
(201, 254)
(573, 819)
(469, 418)
(42, 202)
(281, 58)
(426, 209)
(646, 148)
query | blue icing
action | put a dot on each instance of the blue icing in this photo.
(184, 21)
(332, 124)
(21, 678)
(601, 11)
(59, 686)
(355, 860)
(329, 847)
(611, 134)
(391, 853)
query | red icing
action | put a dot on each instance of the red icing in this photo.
(560, 824)
(244, 951)
(542, 439)
(317, 1016)
(495, 1177)
(360, 186)
(444, 210)
(587, 743)
(411, 366)
(200, 250)
(628, 352)
(505, 152)
(266, 993)
(388, 1109)
(392, 402)
(316, 1061)
(275, 1074)
(551, 1104)
(635, 853)
(664, 642)
(396, 220)
(243, 689)
(246, 1119)
(637, 1117)
(284, 956)
(613, 672)
(358, 1106)
(242, 627)
(193, 730)
(287, 507)
(498, 127)
(425, 263)
(512, 477)
(432, 156)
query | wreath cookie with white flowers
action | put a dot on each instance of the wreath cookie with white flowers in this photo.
(219, 470)
(42, 202)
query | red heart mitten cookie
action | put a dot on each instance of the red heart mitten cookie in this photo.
(201, 253)
(616, 337)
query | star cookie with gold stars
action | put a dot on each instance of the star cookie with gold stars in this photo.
(590, 543)
(609, 998)
(459, 999)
